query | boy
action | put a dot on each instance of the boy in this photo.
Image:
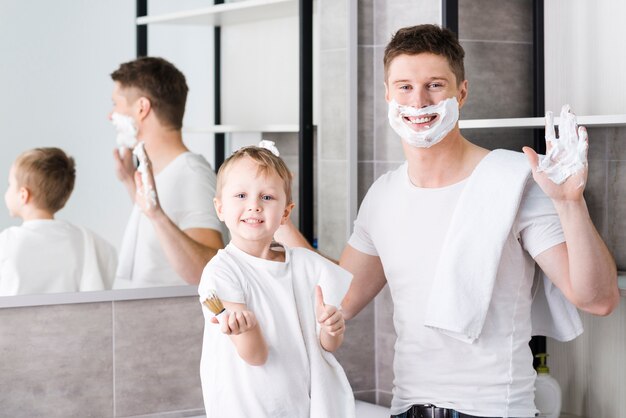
(169, 243)
(45, 255)
(272, 362)
(404, 237)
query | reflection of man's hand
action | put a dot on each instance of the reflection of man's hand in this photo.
(146, 196)
(124, 166)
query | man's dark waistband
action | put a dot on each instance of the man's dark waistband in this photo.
(431, 411)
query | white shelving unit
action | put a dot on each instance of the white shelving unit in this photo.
(241, 128)
(226, 14)
(533, 123)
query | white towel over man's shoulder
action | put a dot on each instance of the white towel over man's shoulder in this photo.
(471, 256)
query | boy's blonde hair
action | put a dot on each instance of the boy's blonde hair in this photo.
(49, 174)
(267, 162)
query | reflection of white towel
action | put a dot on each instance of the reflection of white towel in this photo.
(123, 277)
(463, 287)
(99, 263)
(331, 394)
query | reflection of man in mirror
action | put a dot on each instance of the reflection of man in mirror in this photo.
(44, 254)
(167, 241)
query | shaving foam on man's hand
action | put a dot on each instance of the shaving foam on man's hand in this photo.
(446, 115)
(149, 194)
(567, 154)
(126, 131)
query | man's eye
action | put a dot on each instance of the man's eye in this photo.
(405, 87)
(266, 197)
(240, 195)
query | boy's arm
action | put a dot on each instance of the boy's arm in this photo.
(332, 324)
(244, 331)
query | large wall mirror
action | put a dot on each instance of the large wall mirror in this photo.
(57, 58)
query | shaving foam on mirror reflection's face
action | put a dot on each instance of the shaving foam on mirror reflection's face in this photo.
(567, 154)
(126, 130)
(148, 191)
(444, 116)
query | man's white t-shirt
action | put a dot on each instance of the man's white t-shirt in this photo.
(51, 256)
(280, 388)
(406, 227)
(186, 188)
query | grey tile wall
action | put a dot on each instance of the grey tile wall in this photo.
(158, 342)
(496, 20)
(56, 361)
(109, 359)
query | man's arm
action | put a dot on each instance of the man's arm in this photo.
(367, 270)
(582, 267)
(368, 280)
(187, 251)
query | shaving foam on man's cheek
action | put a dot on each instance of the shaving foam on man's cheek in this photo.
(126, 130)
(448, 115)
(568, 153)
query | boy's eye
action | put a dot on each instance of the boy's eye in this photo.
(266, 197)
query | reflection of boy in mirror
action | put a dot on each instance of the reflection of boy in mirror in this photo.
(46, 255)
(168, 243)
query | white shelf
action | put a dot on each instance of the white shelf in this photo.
(532, 123)
(227, 13)
(238, 128)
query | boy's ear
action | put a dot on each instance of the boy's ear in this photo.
(218, 208)
(25, 195)
(287, 213)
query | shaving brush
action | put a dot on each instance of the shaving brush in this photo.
(215, 305)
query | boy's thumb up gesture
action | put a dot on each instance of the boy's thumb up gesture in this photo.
(329, 317)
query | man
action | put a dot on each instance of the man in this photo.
(170, 241)
(403, 237)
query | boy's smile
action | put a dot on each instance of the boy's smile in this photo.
(253, 205)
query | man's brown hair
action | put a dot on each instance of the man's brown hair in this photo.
(267, 162)
(49, 174)
(427, 38)
(160, 82)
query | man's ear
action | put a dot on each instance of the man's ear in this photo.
(387, 98)
(218, 208)
(287, 213)
(463, 91)
(144, 107)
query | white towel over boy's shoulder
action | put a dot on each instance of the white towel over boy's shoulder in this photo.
(463, 286)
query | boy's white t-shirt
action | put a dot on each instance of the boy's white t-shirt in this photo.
(406, 227)
(185, 188)
(280, 388)
(49, 256)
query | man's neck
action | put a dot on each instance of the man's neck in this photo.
(448, 162)
(162, 146)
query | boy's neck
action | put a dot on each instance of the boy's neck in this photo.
(29, 212)
(259, 249)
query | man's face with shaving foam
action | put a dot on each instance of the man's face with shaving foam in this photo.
(420, 81)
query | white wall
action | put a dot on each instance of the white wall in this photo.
(56, 91)
(585, 59)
